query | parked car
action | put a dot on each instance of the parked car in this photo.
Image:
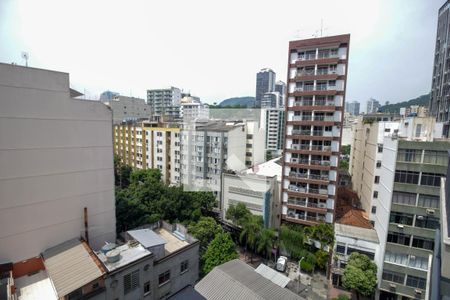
(281, 264)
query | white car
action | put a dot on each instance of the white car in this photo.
(281, 264)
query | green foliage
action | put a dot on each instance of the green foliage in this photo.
(205, 230)
(292, 239)
(238, 101)
(342, 297)
(360, 274)
(309, 261)
(345, 149)
(146, 200)
(343, 164)
(321, 259)
(121, 173)
(323, 233)
(238, 214)
(268, 155)
(251, 231)
(423, 100)
(219, 251)
(266, 242)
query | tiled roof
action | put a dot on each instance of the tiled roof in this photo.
(355, 217)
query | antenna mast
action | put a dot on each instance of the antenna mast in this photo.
(25, 56)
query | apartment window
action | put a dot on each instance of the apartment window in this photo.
(164, 278)
(394, 276)
(401, 218)
(431, 179)
(396, 258)
(418, 130)
(375, 194)
(248, 145)
(406, 177)
(184, 266)
(378, 164)
(428, 201)
(147, 288)
(130, 282)
(409, 155)
(387, 130)
(435, 157)
(377, 179)
(427, 222)
(424, 243)
(374, 209)
(249, 154)
(249, 136)
(340, 249)
(380, 148)
(418, 262)
(404, 198)
(398, 238)
(416, 282)
(159, 134)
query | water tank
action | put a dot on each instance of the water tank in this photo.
(108, 247)
(113, 256)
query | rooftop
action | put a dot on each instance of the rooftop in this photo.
(173, 243)
(147, 237)
(128, 252)
(237, 280)
(269, 168)
(71, 265)
(356, 232)
(38, 284)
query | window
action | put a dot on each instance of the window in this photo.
(418, 130)
(427, 222)
(423, 243)
(249, 136)
(401, 218)
(248, 145)
(416, 282)
(147, 288)
(340, 249)
(184, 266)
(404, 198)
(406, 177)
(378, 164)
(398, 238)
(380, 148)
(396, 258)
(435, 157)
(375, 194)
(428, 201)
(374, 209)
(394, 276)
(249, 154)
(387, 130)
(431, 179)
(130, 281)
(409, 155)
(164, 277)
(377, 179)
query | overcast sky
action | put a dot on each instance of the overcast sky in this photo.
(214, 48)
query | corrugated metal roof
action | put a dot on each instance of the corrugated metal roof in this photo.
(237, 280)
(269, 273)
(148, 238)
(70, 266)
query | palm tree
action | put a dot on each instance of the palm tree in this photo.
(292, 239)
(266, 242)
(251, 231)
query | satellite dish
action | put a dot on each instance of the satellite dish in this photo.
(25, 56)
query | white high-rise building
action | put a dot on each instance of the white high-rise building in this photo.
(272, 119)
(56, 160)
(165, 102)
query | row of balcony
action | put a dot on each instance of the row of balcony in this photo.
(312, 162)
(316, 72)
(312, 132)
(307, 203)
(304, 190)
(313, 118)
(302, 216)
(313, 56)
(315, 103)
(310, 147)
(309, 176)
(318, 87)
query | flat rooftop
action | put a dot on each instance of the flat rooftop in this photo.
(269, 169)
(39, 285)
(173, 243)
(129, 253)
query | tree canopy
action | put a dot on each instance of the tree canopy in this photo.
(219, 251)
(205, 230)
(238, 214)
(360, 274)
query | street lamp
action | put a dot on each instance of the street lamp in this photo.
(299, 269)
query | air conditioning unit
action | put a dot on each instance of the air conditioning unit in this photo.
(400, 226)
(392, 285)
(430, 211)
(417, 291)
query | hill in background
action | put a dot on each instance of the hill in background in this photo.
(238, 101)
(423, 100)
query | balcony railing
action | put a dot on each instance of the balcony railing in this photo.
(294, 215)
(298, 175)
(320, 148)
(302, 118)
(324, 118)
(318, 132)
(297, 202)
(324, 103)
(306, 57)
(305, 73)
(298, 189)
(301, 132)
(299, 147)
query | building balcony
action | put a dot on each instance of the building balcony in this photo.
(300, 147)
(313, 60)
(304, 219)
(304, 190)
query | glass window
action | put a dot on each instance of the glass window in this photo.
(404, 198)
(423, 243)
(164, 277)
(416, 282)
(406, 177)
(396, 258)
(380, 148)
(147, 288)
(375, 194)
(340, 248)
(418, 130)
(398, 238)
(431, 179)
(130, 281)
(435, 157)
(394, 276)
(184, 266)
(428, 201)
(374, 209)
(378, 163)
(409, 155)
(427, 222)
(401, 218)
(377, 179)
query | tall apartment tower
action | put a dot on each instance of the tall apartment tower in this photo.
(317, 75)
(280, 87)
(440, 92)
(165, 102)
(352, 108)
(372, 106)
(265, 82)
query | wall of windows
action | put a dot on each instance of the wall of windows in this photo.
(409, 155)
(398, 238)
(394, 276)
(435, 157)
(431, 179)
(401, 218)
(428, 201)
(404, 198)
(416, 282)
(406, 177)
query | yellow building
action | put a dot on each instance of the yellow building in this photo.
(150, 145)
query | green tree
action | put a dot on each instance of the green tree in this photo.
(238, 214)
(345, 149)
(266, 242)
(251, 232)
(292, 239)
(321, 259)
(323, 233)
(205, 230)
(360, 275)
(308, 263)
(268, 155)
(219, 251)
(343, 164)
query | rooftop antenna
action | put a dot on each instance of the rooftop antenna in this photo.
(25, 56)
